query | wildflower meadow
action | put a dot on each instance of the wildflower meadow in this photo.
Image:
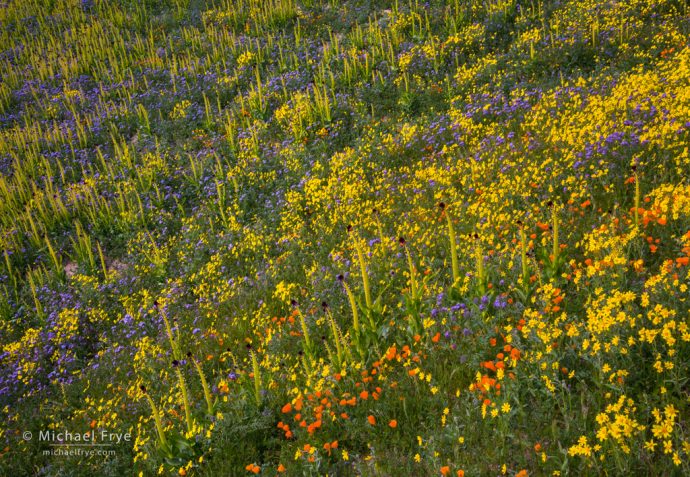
(344, 238)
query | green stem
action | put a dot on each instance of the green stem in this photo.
(523, 257)
(353, 304)
(257, 379)
(637, 200)
(204, 385)
(305, 331)
(159, 424)
(481, 273)
(336, 339)
(185, 400)
(173, 345)
(453, 249)
(380, 231)
(556, 245)
(413, 278)
(365, 277)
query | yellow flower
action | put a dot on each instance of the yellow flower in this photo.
(671, 412)
(663, 430)
(602, 418)
(668, 447)
(245, 58)
(581, 448)
(676, 458)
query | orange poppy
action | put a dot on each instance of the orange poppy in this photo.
(390, 355)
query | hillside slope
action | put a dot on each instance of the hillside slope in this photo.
(345, 238)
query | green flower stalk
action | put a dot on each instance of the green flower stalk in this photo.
(637, 197)
(308, 343)
(379, 229)
(331, 357)
(143, 115)
(57, 263)
(157, 419)
(363, 270)
(556, 245)
(356, 335)
(8, 264)
(336, 339)
(10, 271)
(204, 384)
(307, 368)
(37, 302)
(185, 396)
(341, 345)
(413, 275)
(102, 259)
(479, 260)
(411, 266)
(353, 305)
(453, 246)
(174, 345)
(257, 379)
(177, 335)
(523, 256)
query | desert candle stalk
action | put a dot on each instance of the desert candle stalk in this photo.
(257, 379)
(171, 339)
(523, 256)
(185, 396)
(363, 270)
(204, 384)
(479, 259)
(556, 245)
(353, 305)
(453, 249)
(413, 278)
(305, 331)
(157, 420)
(336, 339)
(637, 200)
